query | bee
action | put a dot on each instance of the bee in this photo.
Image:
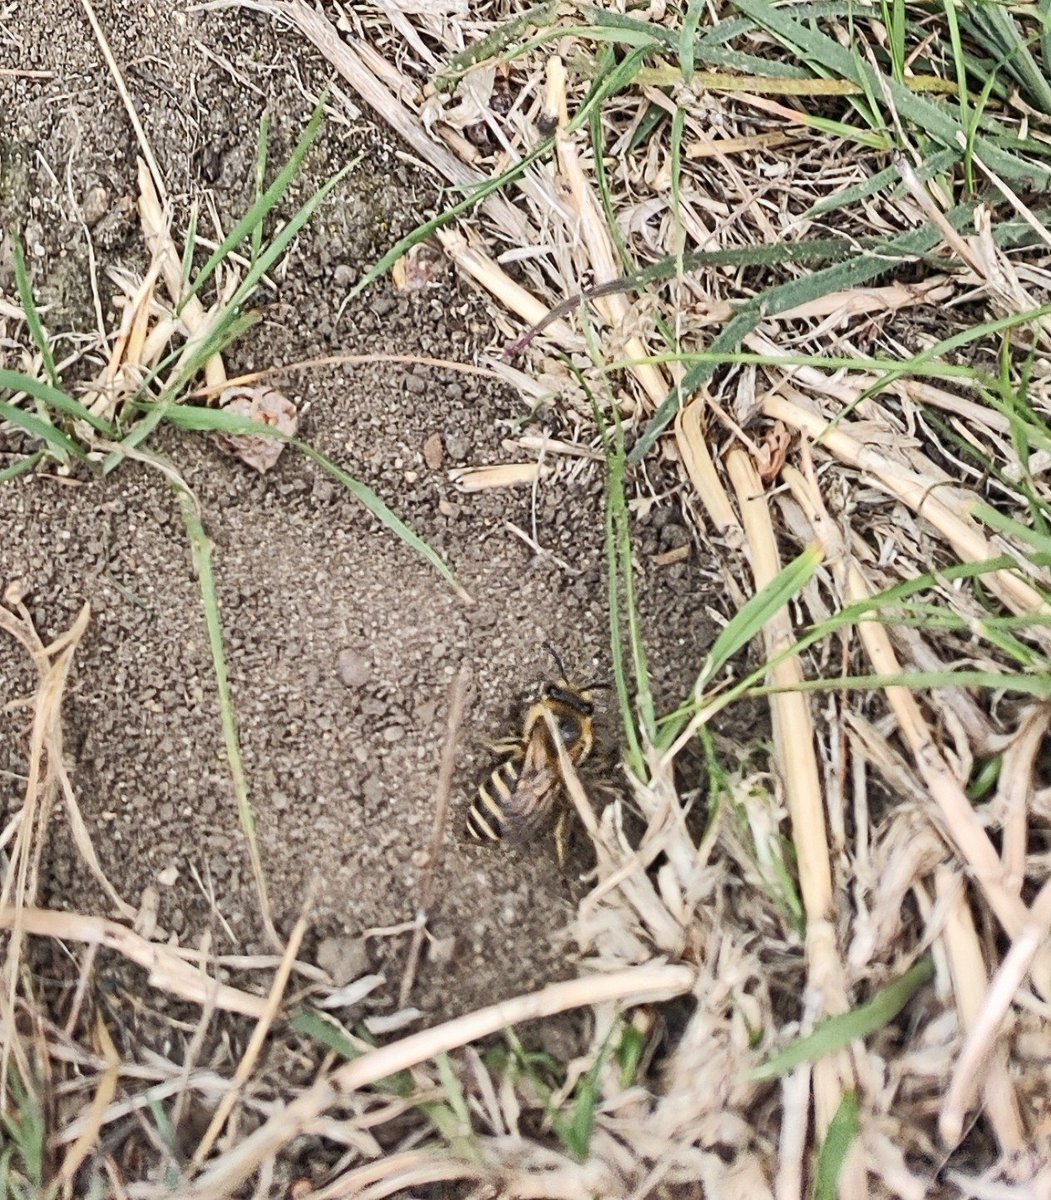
(518, 796)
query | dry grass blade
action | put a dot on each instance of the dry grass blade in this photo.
(87, 1139)
(167, 971)
(922, 494)
(257, 1041)
(156, 231)
(633, 986)
(53, 664)
(696, 458)
(1029, 945)
(794, 750)
(969, 981)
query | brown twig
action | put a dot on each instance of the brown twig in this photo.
(446, 767)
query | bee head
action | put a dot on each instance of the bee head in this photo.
(576, 699)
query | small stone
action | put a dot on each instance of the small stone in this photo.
(168, 876)
(393, 733)
(441, 950)
(95, 205)
(344, 958)
(354, 669)
(457, 445)
(419, 858)
(433, 451)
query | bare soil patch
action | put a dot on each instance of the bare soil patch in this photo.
(341, 644)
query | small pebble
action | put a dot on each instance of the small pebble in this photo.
(457, 445)
(354, 670)
(344, 958)
(441, 950)
(393, 733)
(95, 205)
(433, 451)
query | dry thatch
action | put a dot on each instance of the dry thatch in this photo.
(690, 185)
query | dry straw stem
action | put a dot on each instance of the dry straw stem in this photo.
(942, 507)
(794, 750)
(482, 479)
(314, 25)
(396, 1173)
(1029, 943)
(1014, 792)
(256, 1042)
(167, 971)
(594, 237)
(969, 982)
(163, 251)
(636, 985)
(479, 266)
(959, 821)
(690, 437)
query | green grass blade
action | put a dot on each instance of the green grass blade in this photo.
(493, 43)
(42, 431)
(20, 468)
(939, 121)
(994, 519)
(273, 252)
(260, 182)
(750, 619)
(189, 247)
(52, 397)
(842, 1133)
(997, 30)
(216, 420)
(266, 202)
(201, 550)
(386, 517)
(424, 231)
(33, 321)
(1038, 684)
(688, 38)
(839, 276)
(233, 326)
(618, 78)
(836, 1033)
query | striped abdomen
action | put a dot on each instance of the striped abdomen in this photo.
(488, 814)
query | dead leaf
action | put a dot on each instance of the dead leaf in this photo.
(259, 404)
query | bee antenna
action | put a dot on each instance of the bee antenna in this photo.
(599, 685)
(558, 661)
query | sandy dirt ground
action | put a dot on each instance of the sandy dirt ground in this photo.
(342, 644)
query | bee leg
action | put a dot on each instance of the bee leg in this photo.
(505, 747)
(562, 839)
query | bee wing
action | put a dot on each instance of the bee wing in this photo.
(537, 788)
